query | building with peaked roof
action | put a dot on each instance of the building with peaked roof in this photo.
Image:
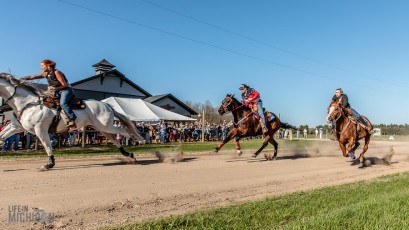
(109, 82)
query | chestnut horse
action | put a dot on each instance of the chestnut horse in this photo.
(246, 124)
(348, 131)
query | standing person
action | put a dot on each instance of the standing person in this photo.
(57, 85)
(251, 98)
(162, 130)
(305, 133)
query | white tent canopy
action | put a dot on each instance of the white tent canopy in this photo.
(140, 110)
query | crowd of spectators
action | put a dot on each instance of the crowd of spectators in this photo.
(159, 133)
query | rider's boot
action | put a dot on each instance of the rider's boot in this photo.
(263, 127)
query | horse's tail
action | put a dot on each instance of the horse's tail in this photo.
(287, 126)
(128, 125)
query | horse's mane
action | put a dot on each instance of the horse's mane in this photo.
(234, 98)
(18, 82)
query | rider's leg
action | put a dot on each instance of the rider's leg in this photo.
(65, 97)
(359, 117)
(262, 117)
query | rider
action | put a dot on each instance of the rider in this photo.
(343, 99)
(252, 99)
(57, 82)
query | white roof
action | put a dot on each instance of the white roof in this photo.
(140, 110)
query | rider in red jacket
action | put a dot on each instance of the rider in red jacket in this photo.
(252, 99)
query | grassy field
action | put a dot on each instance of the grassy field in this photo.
(378, 204)
(93, 150)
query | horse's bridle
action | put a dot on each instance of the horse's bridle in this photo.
(336, 119)
(226, 110)
(19, 113)
(14, 93)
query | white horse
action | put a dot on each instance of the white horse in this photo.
(36, 118)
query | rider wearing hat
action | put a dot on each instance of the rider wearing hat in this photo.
(251, 98)
(343, 100)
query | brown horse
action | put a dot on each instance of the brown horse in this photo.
(348, 131)
(246, 124)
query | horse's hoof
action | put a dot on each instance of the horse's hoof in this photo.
(254, 155)
(216, 150)
(131, 155)
(366, 163)
(47, 167)
(239, 152)
(352, 155)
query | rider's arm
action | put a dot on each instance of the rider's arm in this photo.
(344, 101)
(253, 95)
(61, 79)
(33, 77)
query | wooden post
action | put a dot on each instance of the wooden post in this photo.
(203, 125)
(83, 136)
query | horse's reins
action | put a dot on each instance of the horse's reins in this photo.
(14, 93)
(345, 127)
(19, 113)
(241, 120)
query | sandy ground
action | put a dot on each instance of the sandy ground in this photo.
(91, 192)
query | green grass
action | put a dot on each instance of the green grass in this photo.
(380, 204)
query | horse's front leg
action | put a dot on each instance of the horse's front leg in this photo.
(43, 136)
(351, 149)
(265, 143)
(238, 148)
(343, 148)
(230, 136)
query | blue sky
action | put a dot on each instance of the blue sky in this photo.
(295, 53)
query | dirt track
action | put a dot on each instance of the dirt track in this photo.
(86, 193)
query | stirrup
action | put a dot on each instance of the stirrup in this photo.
(71, 125)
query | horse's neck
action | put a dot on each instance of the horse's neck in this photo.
(240, 113)
(20, 99)
(343, 120)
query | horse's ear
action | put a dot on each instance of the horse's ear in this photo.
(232, 95)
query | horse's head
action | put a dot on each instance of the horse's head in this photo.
(227, 104)
(334, 111)
(8, 85)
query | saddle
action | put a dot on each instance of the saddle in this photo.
(54, 103)
(268, 115)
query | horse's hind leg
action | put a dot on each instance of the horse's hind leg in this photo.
(364, 149)
(275, 144)
(265, 143)
(112, 137)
